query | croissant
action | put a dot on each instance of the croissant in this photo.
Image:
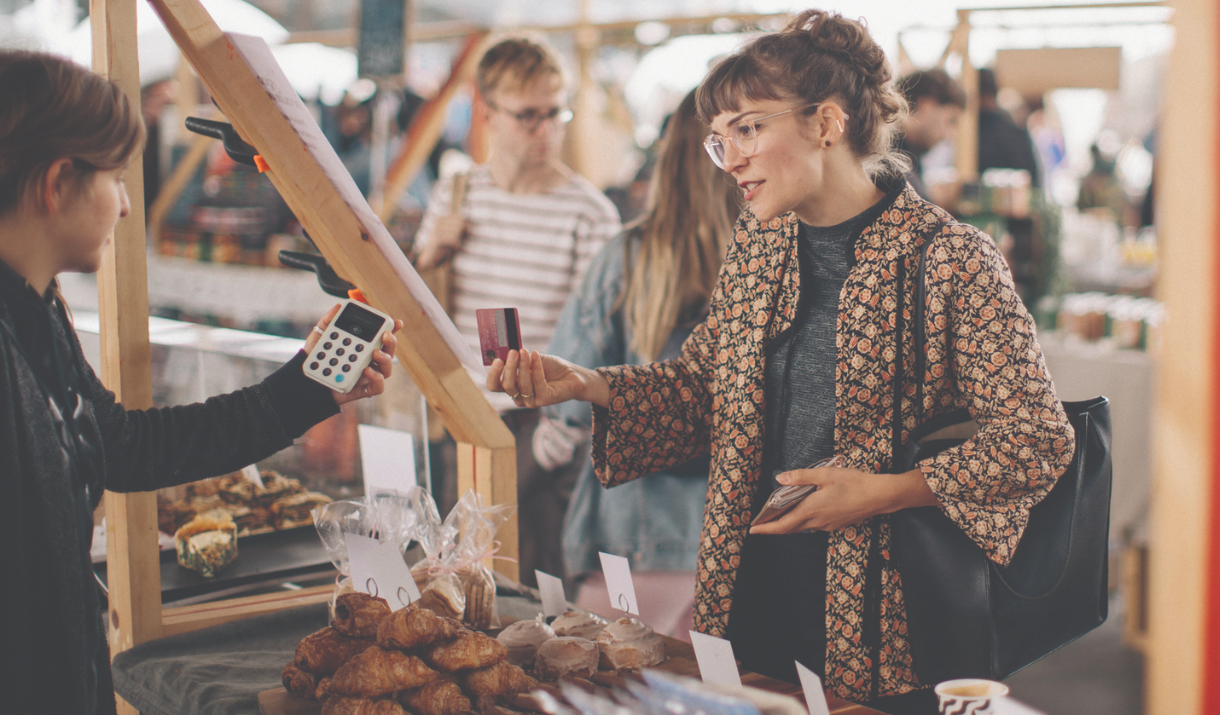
(500, 681)
(440, 697)
(322, 652)
(299, 682)
(322, 692)
(377, 671)
(340, 705)
(358, 614)
(412, 627)
(467, 651)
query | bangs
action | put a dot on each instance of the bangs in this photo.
(736, 78)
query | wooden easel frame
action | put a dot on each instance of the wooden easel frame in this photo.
(487, 455)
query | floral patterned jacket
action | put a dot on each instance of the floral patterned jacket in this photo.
(981, 354)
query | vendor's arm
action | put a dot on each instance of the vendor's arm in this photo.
(149, 449)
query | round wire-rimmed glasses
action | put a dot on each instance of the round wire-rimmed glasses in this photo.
(744, 135)
(531, 119)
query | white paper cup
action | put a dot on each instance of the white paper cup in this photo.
(969, 696)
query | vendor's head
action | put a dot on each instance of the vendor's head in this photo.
(935, 102)
(67, 137)
(792, 108)
(524, 90)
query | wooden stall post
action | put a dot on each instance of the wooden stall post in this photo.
(133, 568)
(966, 157)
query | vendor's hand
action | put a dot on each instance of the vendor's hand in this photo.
(446, 239)
(847, 496)
(536, 380)
(372, 380)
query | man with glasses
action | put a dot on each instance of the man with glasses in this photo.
(524, 233)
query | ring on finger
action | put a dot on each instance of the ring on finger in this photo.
(525, 395)
(516, 396)
(318, 330)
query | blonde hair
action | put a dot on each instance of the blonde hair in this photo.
(517, 62)
(683, 233)
(819, 56)
(55, 109)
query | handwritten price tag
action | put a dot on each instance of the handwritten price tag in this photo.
(715, 658)
(618, 581)
(815, 697)
(554, 602)
(378, 570)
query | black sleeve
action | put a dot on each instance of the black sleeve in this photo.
(149, 449)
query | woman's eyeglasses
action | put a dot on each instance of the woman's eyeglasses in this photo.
(744, 136)
(531, 119)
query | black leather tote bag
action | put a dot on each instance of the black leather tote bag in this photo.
(972, 618)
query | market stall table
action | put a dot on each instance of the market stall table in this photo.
(233, 668)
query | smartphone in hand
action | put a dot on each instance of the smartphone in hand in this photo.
(785, 498)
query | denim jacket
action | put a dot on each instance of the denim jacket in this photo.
(654, 522)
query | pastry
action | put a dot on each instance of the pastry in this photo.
(324, 651)
(566, 655)
(377, 671)
(206, 544)
(581, 624)
(414, 626)
(340, 705)
(297, 509)
(499, 681)
(522, 640)
(440, 697)
(479, 589)
(444, 596)
(358, 614)
(323, 690)
(300, 683)
(466, 651)
(628, 643)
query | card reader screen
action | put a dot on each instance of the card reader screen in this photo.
(359, 322)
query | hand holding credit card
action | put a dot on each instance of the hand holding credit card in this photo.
(785, 498)
(499, 332)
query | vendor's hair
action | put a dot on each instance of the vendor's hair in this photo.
(55, 109)
(935, 84)
(819, 56)
(517, 62)
(685, 232)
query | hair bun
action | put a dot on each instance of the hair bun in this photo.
(847, 39)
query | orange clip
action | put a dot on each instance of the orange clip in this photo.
(355, 294)
(261, 163)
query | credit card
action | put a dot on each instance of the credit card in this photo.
(499, 332)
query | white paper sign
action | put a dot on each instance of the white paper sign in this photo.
(815, 697)
(716, 662)
(554, 602)
(617, 571)
(253, 476)
(387, 458)
(378, 570)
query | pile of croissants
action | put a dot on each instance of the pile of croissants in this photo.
(370, 661)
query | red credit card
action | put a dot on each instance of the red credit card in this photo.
(499, 332)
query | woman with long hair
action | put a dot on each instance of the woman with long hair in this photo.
(67, 137)
(808, 353)
(639, 301)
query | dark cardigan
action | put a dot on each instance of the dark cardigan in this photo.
(52, 651)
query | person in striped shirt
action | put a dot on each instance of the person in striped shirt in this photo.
(520, 231)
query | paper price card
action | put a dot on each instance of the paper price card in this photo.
(716, 662)
(378, 570)
(815, 697)
(554, 602)
(617, 571)
(387, 458)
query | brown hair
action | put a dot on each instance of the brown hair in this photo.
(936, 84)
(517, 62)
(54, 109)
(819, 56)
(685, 232)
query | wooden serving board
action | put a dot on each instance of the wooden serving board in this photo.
(680, 660)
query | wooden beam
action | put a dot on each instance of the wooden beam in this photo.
(492, 474)
(425, 129)
(205, 615)
(1181, 665)
(966, 137)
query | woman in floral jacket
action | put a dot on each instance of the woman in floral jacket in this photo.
(798, 359)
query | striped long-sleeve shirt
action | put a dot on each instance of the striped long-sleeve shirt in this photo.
(524, 251)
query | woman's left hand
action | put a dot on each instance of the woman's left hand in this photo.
(372, 380)
(847, 496)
